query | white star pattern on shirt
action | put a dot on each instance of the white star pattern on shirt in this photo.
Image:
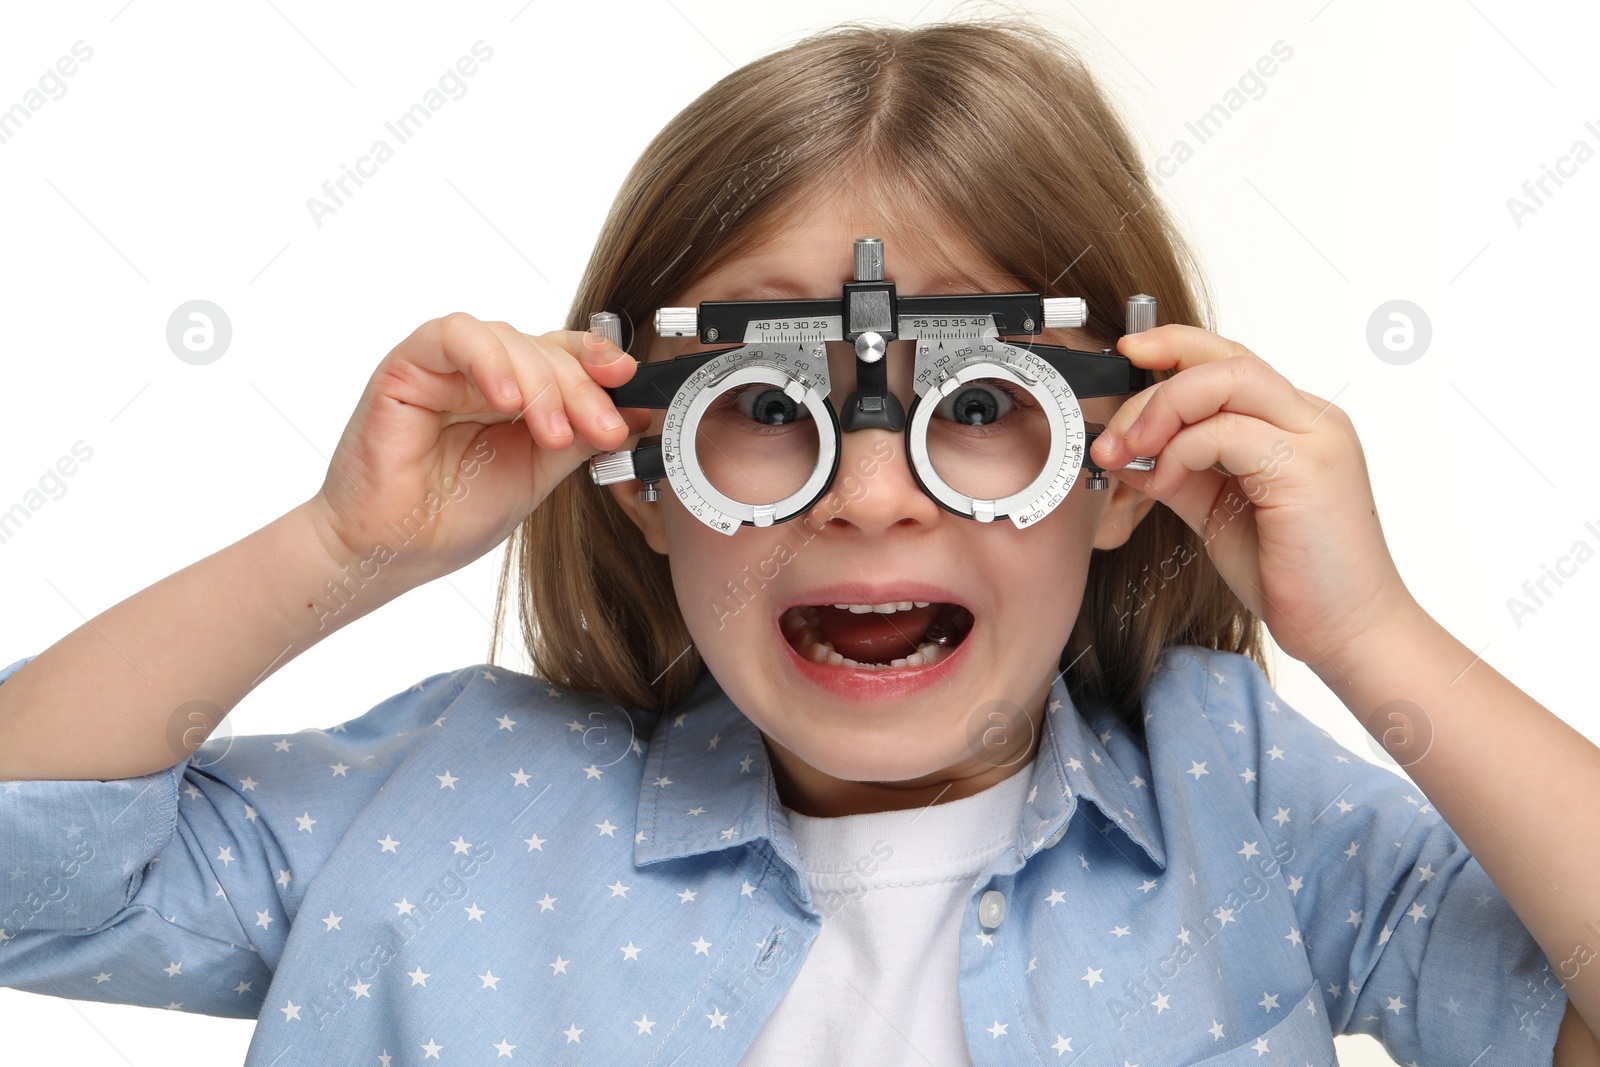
(705, 805)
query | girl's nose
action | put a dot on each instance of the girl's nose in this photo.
(874, 489)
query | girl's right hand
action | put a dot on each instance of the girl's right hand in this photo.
(464, 428)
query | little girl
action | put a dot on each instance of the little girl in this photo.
(750, 811)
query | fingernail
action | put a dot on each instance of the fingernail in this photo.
(610, 420)
(558, 424)
(508, 390)
(1136, 428)
(598, 351)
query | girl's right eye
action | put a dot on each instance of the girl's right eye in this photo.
(765, 405)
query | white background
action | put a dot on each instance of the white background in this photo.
(1376, 166)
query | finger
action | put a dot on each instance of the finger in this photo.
(1253, 451)
(542, 408)
(452, 364)
(583, 405)
(607, 364)
(1241, 384)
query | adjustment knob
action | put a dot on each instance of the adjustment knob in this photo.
(608, 325)
(869, 259)
(1065, 312)
(610, 467)
(677, 322)
(1141, 313)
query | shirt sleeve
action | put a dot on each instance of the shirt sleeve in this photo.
(1410, 941)
(177, 889)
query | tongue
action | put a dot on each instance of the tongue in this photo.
(871, 637)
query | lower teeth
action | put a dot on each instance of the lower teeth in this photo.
(932, 649)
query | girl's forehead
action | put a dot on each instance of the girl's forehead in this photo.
(809, 253)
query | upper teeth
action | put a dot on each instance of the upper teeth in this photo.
(884, 609)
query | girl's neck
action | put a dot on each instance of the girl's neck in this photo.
(807, 791)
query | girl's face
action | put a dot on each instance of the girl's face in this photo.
(847, 740)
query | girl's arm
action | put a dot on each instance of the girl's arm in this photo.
(1515, 783)
(462, 430)
(121, 696)
(1520, 787)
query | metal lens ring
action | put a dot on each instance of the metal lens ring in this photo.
(939, 374)
(801, 371)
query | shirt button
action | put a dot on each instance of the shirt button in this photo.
(992, 908)
(1057, 836)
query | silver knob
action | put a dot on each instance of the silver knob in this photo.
(869, 259)
(1065, 312)
(677, 322)
(610, 467)
(608, 325)
(1141, 313)
(870, 347)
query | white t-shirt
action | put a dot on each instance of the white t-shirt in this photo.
(878, 985)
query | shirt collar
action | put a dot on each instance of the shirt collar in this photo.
(708, 783)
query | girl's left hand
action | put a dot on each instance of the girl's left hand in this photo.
(1293, 528)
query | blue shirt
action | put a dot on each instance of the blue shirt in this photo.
(488, 866)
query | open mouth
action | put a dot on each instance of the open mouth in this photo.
(876, 637)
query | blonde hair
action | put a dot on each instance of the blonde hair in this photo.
(998, 128)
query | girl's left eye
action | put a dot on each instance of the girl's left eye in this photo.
(980, 403)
